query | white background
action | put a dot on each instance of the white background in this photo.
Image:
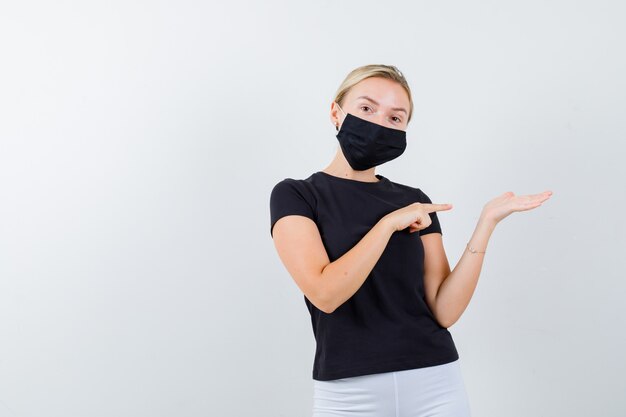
(140, 142)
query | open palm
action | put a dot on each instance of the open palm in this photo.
(507, 203)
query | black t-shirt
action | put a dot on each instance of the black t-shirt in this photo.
(386, 325)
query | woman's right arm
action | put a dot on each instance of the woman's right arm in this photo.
(327, 284)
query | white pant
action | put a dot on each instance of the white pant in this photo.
(434, 391)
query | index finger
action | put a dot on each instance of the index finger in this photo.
(429, 208)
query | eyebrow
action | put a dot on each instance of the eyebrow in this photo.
(376, 103)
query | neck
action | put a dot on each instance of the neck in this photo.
(339, 167)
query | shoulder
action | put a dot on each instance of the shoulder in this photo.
(418, 194)
(291, 191)
(292, 196)
(423, 197)
(291, 186)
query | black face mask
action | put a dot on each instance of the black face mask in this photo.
(366, 144)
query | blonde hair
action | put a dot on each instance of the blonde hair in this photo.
(374, 70)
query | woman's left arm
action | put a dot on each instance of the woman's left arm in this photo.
(449, 292)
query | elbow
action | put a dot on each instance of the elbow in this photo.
(326, 305)
(446, 324)
(324, 308)
(327, 302)
(442, 314)
(445, 321)
(327, 310)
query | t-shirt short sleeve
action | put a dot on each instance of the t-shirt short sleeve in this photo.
(435, 226)
(290, 196)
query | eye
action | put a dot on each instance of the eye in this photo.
(398, 119)
(365, 107)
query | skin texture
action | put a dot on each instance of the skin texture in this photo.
(329, 284)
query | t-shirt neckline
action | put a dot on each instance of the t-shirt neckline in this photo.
(351, 181)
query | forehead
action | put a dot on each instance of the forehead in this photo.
(382, 90)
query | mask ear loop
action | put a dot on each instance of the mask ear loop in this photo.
(344, 115)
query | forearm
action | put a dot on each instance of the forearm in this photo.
(344, 276)
(457, 289)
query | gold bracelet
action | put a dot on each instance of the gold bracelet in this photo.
(471, 249)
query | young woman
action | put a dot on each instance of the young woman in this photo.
(368, 255)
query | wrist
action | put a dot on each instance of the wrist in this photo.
(385, 222)
(487, 221)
